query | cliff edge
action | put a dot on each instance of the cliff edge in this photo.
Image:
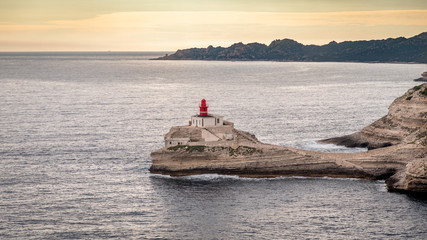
(397, 151)
(405, 123)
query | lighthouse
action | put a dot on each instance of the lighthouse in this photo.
(203, 129)
(204, 120)
(203, 108)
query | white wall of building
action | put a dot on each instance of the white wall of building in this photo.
(210, 121)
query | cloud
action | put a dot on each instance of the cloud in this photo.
(138, 19)
(171, 30)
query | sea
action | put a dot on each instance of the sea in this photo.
(77, 130)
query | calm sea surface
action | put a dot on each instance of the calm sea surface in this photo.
(77, 129)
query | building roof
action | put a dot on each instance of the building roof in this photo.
(210, 115)
(204, 116)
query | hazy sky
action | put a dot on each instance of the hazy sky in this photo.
(142, 25)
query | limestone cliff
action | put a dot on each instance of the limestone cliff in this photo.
(398, 144)
(412, 178)
(406, 122)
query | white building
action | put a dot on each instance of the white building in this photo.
(203, 129)
(207, 120)
(204, 119)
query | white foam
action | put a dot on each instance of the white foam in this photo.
(381, 186)
(219, 177)
(155, 175)
(209, 177)
(314, 145)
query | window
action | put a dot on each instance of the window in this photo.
(217, 120)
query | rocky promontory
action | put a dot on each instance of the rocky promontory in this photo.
(397, 151)
(404, 123)
(400, 49)
(423, 78)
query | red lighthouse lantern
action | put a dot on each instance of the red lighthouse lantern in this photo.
(203, 108)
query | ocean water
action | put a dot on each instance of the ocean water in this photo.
(77, 129)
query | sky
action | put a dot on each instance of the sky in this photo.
(168, 25)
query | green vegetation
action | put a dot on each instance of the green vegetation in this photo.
(416, 88)
(389, 50)
(242, 150)
(177, 147)
(409, 97)
(198, 148)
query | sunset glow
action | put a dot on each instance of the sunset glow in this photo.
(171, 27)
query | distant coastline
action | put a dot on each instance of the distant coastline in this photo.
(391, 50)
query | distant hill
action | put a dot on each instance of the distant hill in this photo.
(400, 49)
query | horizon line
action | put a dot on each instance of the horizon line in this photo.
(166, 51)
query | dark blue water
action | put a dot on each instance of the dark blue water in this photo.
(76, 131)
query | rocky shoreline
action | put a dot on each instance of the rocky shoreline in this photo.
(397, 146)
(423, 78)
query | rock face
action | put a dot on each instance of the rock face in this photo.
(423, 78)
(398, 144)
(406, 122)
(412, 178)
(401, 49)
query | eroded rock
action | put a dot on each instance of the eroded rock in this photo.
(397, 143)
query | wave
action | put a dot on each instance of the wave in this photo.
(219, 177)
(313, 145)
